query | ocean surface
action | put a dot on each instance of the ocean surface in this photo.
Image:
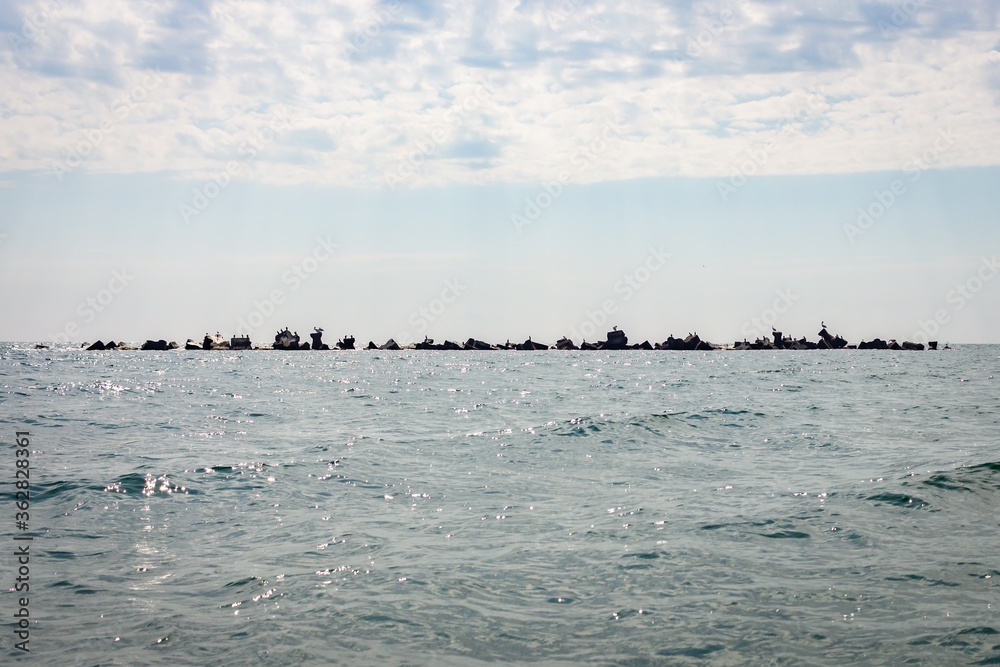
(474, 508)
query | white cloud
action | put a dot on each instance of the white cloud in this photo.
(861, 86)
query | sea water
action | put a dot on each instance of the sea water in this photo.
(472, 508)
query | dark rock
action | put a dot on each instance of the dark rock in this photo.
(240, 343)
(565, 344)
(617, 340)
(832, 342)
(473, 344)
(317, 340)
(286, 340)
(670, 343)
(692, 342)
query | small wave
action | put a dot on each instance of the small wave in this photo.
(900, 500)
(385, 619)
(130, 483)
(576, 427)
(737, 524)
(692, 651)
(644, 560)
(921, 578)
(77, 589)
(44, 491)
(968, 479)
(252, 589)
(786, 535)
(147, 485)
(651, 555)
(657, 424)
(623, 614)
(210, 470)
(970, 641)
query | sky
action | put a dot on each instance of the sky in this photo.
(499, 170)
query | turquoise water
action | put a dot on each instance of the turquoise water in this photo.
(424, 508)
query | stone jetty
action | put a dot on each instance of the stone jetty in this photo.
(615, 340)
